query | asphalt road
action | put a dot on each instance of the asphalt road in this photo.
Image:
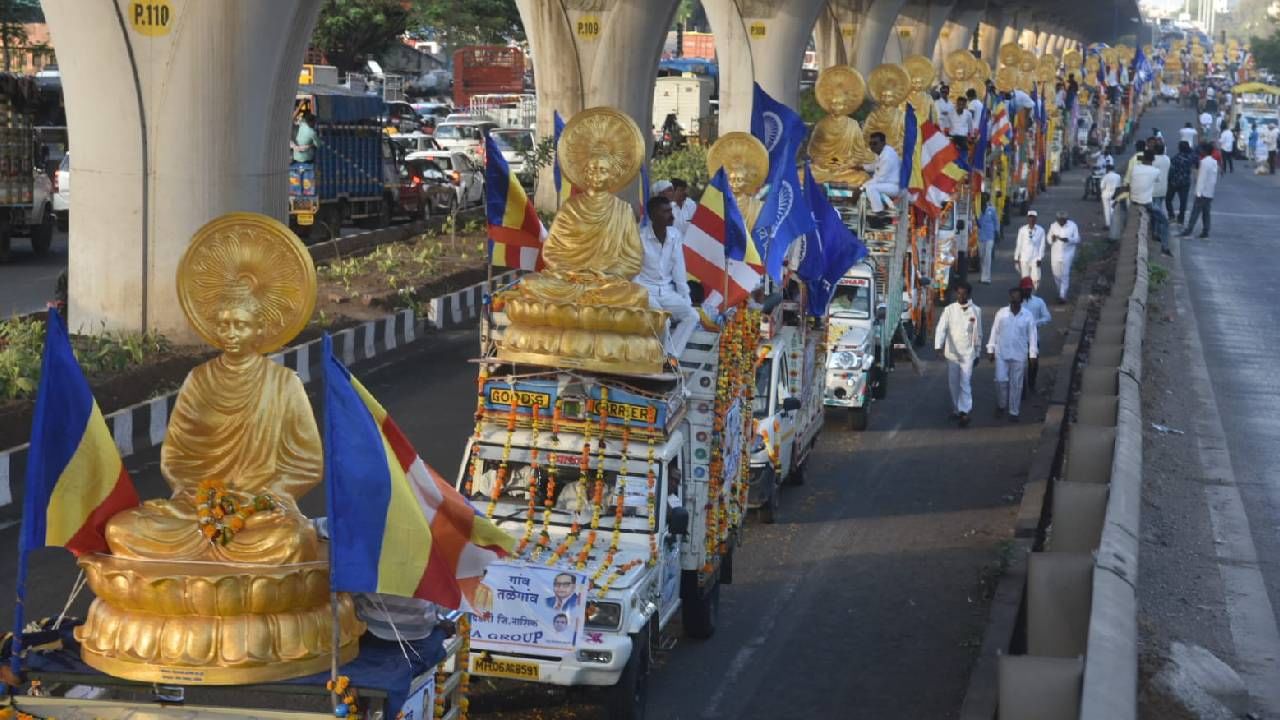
(868, 598)
(27, 281)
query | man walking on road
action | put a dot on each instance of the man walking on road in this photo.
(1142, 188)
(1013, 340)
(1107, 188)
(1034, 304)
(1030, 249)
(959, 337)
(1180, 180)
(1063, 238)
(1270, 136)
(988, 230)
(1187, 135)
(1227, 144)
(1206, 183)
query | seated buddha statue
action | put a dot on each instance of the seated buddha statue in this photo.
(584, 310)
(225, 581)
(889, 86)
(746, 166)
(921, 73)
(837, 148)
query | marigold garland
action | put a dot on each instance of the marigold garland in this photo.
(500, 482)
(221, 514)
(533, 485)
(341, 686)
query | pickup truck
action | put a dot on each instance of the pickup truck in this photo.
(854, 375)
(26, 190)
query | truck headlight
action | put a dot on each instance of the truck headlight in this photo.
(845, 360)
(604, 615)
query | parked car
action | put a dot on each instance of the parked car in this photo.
(465, 135)
(514, 143)
(415, 142)
(425, 189)
(62, 192)
(466, 176)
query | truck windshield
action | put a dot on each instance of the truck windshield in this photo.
(764, 382)
(852, 301)
(568, 497)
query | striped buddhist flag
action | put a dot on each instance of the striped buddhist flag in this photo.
(1001, 129)
(717, 248)
(938, 170)
(75, 478)
(515, 230)
(395, 526)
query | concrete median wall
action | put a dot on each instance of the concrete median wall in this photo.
(1072, 652)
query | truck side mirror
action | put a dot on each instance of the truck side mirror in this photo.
(881, 313)
(791, 404)
(678, 520)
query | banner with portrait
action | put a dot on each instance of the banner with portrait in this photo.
(530, 606)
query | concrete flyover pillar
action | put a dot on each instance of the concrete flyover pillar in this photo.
(903, 40)
(179, 112)
(836, 32)
(936, 14)
(1042, 42)
(957, 33)
(760, 41)
(588, 53)
(879, 18)
(990, 32)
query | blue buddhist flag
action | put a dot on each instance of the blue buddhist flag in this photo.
(829, 251)
(785, 215)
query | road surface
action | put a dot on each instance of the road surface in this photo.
(27, 282)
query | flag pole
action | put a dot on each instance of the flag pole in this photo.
(336, 627)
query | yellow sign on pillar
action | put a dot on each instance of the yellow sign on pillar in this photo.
(848, 30)
(151, 17)
(758, 30)
(588, 27)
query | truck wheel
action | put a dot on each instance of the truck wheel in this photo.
(626, 700)
(726, 567)
(384, 212)
(42, 237)
(4, 242)
(859, 418)
(701, 615)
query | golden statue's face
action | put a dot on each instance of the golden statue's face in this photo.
(598, 172)
(238, 332)
(738, 177)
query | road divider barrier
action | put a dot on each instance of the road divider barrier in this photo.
(1062, 641)
(142, 426)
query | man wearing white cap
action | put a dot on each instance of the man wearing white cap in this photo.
(1029, 251)
(661, 187)
(1063, 238)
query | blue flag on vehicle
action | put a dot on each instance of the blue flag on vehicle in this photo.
(829, 251)
(909, 132)
(563, 188)
(785, 215)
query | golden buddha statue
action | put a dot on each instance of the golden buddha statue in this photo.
(889, 86)
(837, 147)
(583, 310)
(225, 581)
(746, 166)
(920, 70)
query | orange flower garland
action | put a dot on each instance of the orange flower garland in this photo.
(220, 514)
(500, 482)
(533, 485)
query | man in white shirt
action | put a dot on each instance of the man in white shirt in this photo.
(944, 109)
(959, 337)
(1269, 137)
(885, 173)
(682, 206)
(1227, 144)
(1063, 238)
(973, 106)
(663, 274)
(1029, 250)
(1206, 184)
(1142, 188)
(961, 124)
(1035, 305)
(1109, 184)
(1206, 125)
(1013, 340)
(1188, 135)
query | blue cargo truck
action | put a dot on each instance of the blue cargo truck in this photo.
(353, 175)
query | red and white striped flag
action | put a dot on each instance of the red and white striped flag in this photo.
(936, 172)
(715, 235)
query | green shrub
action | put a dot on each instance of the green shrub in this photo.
(22, 346)
(689, 164)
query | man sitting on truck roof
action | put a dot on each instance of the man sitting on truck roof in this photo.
(663, 273)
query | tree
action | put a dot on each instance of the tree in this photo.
(455, 23)
(14, 14)
(1266, 51)
(349, 32)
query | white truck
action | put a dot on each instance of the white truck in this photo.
(26, 190)
(627, 495)
(854, 374)
(788, 406)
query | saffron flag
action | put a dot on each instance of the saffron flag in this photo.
(396, 527)
(937, 170)
(716, 242)
(515, 230)
(979, 165)
(75, 478)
